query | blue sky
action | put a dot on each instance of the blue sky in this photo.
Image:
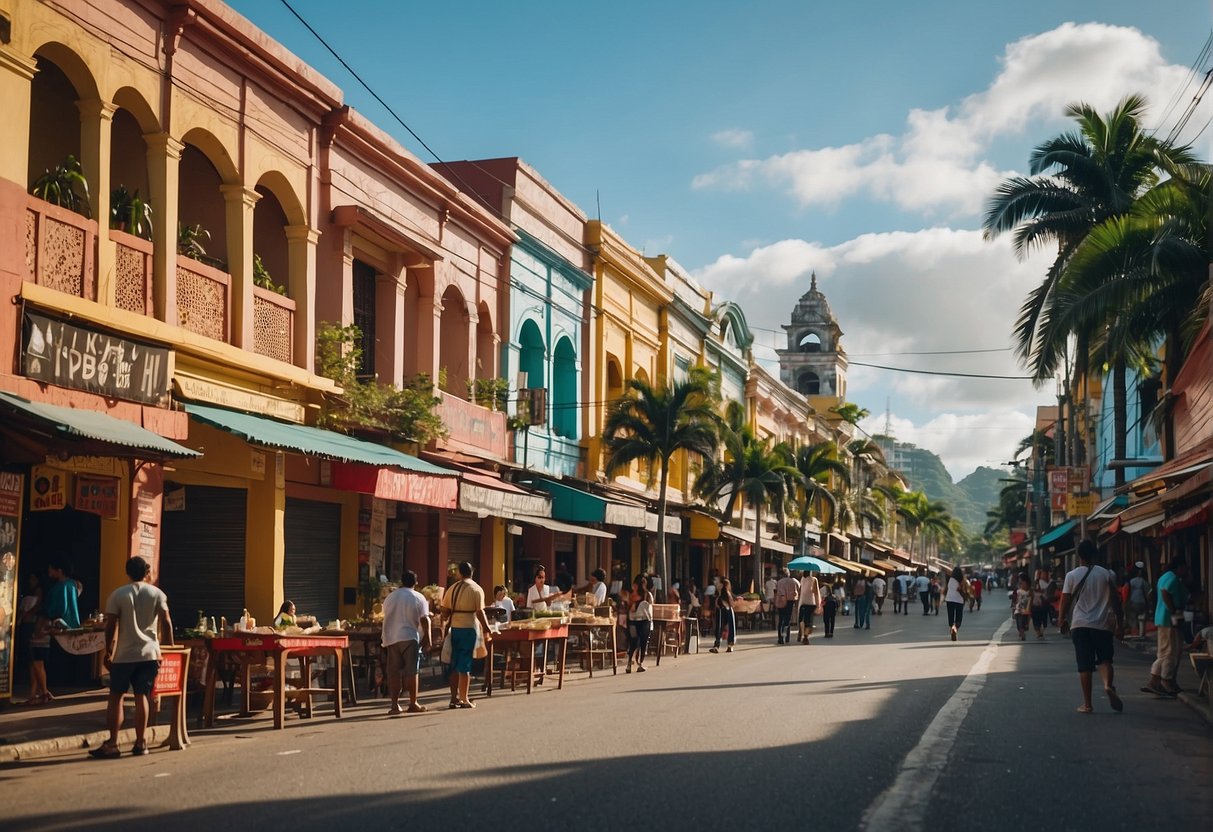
(758, 142)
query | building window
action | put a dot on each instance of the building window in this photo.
(811, 342)
(809, 384)
(564, 390)
(364, 315)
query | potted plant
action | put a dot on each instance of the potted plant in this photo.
(130, 213)
(262, 277)
(64, 185)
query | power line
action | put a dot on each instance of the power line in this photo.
(941, 372)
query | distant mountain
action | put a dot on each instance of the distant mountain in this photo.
(968, 501)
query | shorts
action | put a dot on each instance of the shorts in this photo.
(806, 613)
(403, 657)
(463, 642)
(39, 652)
(1092, 647)
(137, 677)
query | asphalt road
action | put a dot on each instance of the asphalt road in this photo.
(890, 728)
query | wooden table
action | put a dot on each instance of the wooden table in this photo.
(527, 639)
(586, 631)
(249, 648)
(658, 635)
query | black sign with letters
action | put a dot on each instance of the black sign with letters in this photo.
(72, 356)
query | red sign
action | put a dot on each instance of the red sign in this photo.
(472, 428)
(1058, 501)
(1018, 535)
(98, 495)
(391, 484)
(1059, 480)
(170, 681)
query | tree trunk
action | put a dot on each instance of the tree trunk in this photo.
(663, 568)
(1120, 420)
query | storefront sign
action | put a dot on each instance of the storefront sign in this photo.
(472, 428)
(48, 489)
(92, 464)
(83, 359)
(378, 534)
(236, 399)
(392, 484)
(1059, 480)
(493, 502)
(1080, 505)
(11, 485)
(170, 681)
(98, 495)
(174, 499)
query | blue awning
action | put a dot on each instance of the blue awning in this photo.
(1057, 532)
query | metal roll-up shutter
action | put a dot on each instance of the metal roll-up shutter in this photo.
(311, 573)
(463, 537)
(202, 553)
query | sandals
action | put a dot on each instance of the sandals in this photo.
(417, 709)
(139, 750)
(1085, 709)
(107, 752)
(452, 706)
(1114, 699)
(465, 705)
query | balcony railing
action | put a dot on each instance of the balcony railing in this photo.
(133, 273)
(473, 429)
(60, 249)
(203, 299)
(273, 324)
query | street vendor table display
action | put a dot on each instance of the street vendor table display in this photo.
(667, 630)
(253, 648)
(524, 635)
(85, 641)
(594, 638)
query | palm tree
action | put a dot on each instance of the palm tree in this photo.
(817, 465)
(650, 424)
(924, 517)
(756, 473)
(868, 459)
(1078, 181)
(850, 412)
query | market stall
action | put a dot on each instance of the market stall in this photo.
(522, 637)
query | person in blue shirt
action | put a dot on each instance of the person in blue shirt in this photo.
(1168, 616)
(60, 602)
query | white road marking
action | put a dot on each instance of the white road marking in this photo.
(286, 753)
(890, 633)
(904, 804)
(165, 774)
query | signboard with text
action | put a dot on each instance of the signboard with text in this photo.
(11, 487)
(69, 355)
(48, 488)
(97, 495)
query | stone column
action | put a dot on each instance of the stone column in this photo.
(240, 203)
(301, 243)
(16, 73)
(96, 121)
(163, 173)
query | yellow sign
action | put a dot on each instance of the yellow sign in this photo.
(1080, 505)
(48, 488)
(237, 399)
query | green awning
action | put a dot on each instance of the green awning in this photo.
(1057, 532)
(77, 425)
(577, 506)
(258, 430)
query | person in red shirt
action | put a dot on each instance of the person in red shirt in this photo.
(975, 598)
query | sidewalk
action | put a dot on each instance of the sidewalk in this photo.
(71, 722)
(1186, 677)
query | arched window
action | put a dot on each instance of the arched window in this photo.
(54, 120)
(269, 243)
(614, 380)
(808, 384)
(530, 355)
(810, 342)
(455, 339)
(200, 206)
(564, 390)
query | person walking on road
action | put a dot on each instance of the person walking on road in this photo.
(956, 596)
(859, 600)
(406, 632)
(1040, 601)
(879, 588)
(906, 581)
(640, 622)
(810, 600)
(829, 610)
(897, 593)
(976, 589)
(936, 594)
(787, 589)
(1021, 606)
(1090, 606)
(135, 616)
(1139, 593)
(1168, 617)
(463, 605)
(922, 586)
(726, 619)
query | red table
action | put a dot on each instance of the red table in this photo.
(247, 648)
(527, 638)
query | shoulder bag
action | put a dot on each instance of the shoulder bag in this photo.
(1065, 625)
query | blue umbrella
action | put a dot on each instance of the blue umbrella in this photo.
(808, 563)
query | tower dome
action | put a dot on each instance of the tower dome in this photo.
(813, 362)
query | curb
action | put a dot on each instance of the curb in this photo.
(39, 749)
(1203, 707)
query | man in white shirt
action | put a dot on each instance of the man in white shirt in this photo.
(406, 629)
(879, 587)
(1091, 605)
(133, 613)
(922, 585)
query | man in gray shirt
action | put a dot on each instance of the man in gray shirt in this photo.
(133, 613)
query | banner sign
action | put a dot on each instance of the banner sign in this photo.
(11, 486)
(170, 681)
(48, 489)
(97, 495)
(83, 359)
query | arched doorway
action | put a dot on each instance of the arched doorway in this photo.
(453, 343)
(54, 119)
(200, 207)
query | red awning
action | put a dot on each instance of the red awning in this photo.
(1184, 465)
(1194, 516)
(394, 484)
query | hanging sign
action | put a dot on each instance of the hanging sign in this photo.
(97, 495)
(73, 356)
(11, 485)
(48, 488)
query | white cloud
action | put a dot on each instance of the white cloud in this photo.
(733, 138)
(900, 292)
(937, 163)
(963, 441)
